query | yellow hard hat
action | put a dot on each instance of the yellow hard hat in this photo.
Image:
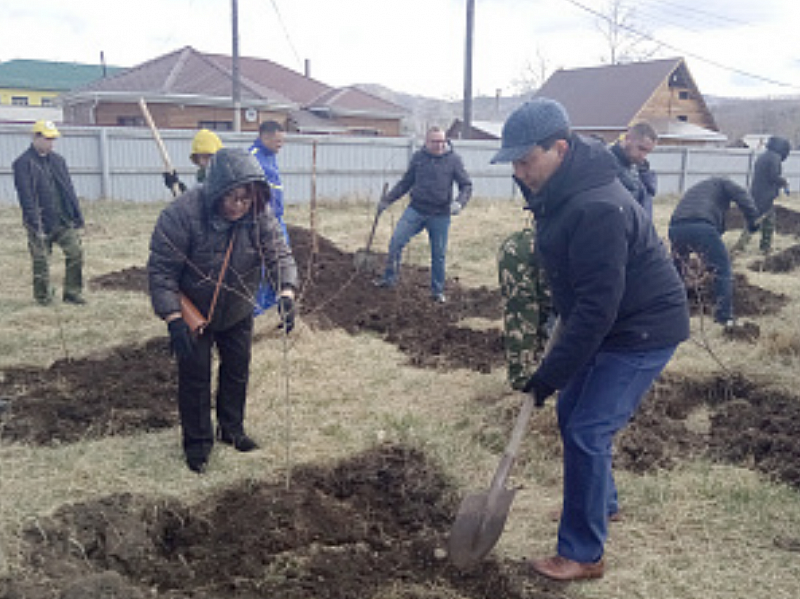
(46, 128)
(205, 142)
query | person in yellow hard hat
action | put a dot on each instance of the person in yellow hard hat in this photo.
(51, 214)
(204, 145)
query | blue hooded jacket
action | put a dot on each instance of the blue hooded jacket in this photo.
(613, 284)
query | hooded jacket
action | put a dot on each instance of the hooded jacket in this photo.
(430, 180)
(188, 246)
(768, 179)
(42, 182)
(709, 201)
(612, 282)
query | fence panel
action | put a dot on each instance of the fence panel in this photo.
(125, 164)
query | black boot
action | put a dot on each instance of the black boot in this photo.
(240, 441)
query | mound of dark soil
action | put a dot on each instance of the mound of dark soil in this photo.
(781, 262)
(367, 527)
(127, 390)
(787, 221)
(333, 294)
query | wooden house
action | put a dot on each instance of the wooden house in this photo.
(604, 101)
(187, 89)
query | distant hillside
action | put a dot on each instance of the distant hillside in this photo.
(426, 112)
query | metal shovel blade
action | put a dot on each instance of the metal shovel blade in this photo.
(479, 523)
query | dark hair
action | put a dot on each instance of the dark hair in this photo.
(643, 129)
(548, 141)
(269, 127)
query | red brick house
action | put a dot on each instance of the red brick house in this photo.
(187, 89)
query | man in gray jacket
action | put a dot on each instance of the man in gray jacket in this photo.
(429, 178)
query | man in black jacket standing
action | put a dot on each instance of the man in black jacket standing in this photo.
(622, 308)
(633, 169)
(51, 214)
(429, 178)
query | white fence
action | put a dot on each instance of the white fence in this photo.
(124, 164)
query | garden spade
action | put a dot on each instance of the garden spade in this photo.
(364, 260)
(481, 517)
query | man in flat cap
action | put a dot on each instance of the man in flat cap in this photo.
(51, 214)
(622, 308)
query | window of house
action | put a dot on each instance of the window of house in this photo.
(683, 117)
(683, 95)
(47, 101)
(130, 121)
(19, 100)
(216, 125)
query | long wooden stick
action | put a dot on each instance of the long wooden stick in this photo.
(160, 143)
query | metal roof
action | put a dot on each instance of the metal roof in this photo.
(50, 76)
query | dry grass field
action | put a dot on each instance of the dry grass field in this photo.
(702, 521)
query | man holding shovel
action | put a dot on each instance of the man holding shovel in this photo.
(429, 180)
(622, 308)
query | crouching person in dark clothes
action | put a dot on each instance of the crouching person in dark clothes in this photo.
(622, 309)
(210, 245)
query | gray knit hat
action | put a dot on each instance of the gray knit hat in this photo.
(528, 125)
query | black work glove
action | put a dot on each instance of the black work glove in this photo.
(171, 180)
(539, 389)
(286, 312)
(181, 341)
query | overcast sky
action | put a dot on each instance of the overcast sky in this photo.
(733, 47)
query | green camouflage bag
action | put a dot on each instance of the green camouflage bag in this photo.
(528, 306)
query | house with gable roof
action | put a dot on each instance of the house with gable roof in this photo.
(188, 89)
(604, 101)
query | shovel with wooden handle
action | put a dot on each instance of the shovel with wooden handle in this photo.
(160, 143)
(481, 517)
(364, 260)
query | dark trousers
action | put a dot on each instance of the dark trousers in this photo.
(703, 239)
(194, 385)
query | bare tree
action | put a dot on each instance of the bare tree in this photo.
(534, 73)
(626, 37)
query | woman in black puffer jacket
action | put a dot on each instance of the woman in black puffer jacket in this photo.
(228, 215)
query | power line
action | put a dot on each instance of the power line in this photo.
(684, 52)
(286, 34)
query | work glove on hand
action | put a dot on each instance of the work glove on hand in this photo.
(539, 389)
(180, 338)
(171, 179)
(287, 312)
(383, 205)
(455, 208)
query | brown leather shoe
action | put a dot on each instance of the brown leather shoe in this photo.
(566, 570)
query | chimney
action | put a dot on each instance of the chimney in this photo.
(307, 68)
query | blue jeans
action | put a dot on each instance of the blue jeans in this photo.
(409, 225)
(596, 404)
(704, 239)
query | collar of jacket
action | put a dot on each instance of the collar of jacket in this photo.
(587, 164)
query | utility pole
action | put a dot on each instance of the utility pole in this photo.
(466, 127)
(237, 87)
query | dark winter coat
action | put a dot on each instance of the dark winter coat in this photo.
(638, 179)
(709, 201)
(188, 247)
(430, 180)
(768, 179)
(38, 180)
(612, 282)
